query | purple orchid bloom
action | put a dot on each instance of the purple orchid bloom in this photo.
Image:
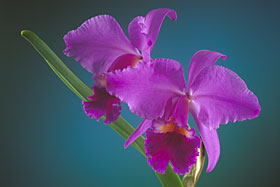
(214, 95)
(101, 46)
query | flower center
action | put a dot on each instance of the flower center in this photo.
(172, 127)
(188, 97)
(100, 80)
(124, 61)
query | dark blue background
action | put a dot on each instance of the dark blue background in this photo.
(47, 140)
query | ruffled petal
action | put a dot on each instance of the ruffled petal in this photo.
(201, 60)
(222, 96)
(211, 142)
(179, 149)
(102, 103)
(143, 31)
(148, 87)
(141, 129)
(97, 43)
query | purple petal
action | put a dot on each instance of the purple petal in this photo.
(222, 96)
(143, 31)
(97, 43)
(145, 124)
(169, 108)
(172, 146)
(201, 60)
(181, 112)
(148, 87)
(136, 32)
(102, 104)
(211, 142)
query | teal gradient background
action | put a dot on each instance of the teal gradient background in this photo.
(47, 140)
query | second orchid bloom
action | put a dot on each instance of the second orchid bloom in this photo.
(156, 90)
(101, 46)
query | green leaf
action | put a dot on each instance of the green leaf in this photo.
(60, 69)
(121, 126)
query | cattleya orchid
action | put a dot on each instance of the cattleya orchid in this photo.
(214, 95)
(155, 90)
(101, 46)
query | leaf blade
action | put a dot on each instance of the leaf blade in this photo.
(56, 64)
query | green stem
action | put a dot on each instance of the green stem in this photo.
(121, 126)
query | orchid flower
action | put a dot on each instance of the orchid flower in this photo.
(214, 95)
(101, 46)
